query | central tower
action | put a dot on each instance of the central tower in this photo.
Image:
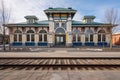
(60, 23)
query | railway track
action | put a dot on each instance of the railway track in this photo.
(61, 63)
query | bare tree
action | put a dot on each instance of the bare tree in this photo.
(112, 17)
(4, 19)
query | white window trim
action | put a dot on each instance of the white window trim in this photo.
(101, 35)
(43, 34)
(30, 35)
(17, 37)
(89, 38)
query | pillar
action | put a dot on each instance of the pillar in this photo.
(11, 38)
(83, 38)
(95, 39)
(24, 39)
(36, 39)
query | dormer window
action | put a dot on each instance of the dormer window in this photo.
(88, 19)
(31, 19)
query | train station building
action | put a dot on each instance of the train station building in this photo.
(59, 30)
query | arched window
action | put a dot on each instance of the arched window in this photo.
(89, 35)
(76, 36)
(30, 35)
(43, 36)
(17, 36)
(101, 36)
(59, 31)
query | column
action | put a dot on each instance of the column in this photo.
(95, 39)
(69, 33)
(23, 39)
(11, 38)
(51, 30)
(83, 38)
(36, 39)
(50, 39)
(66, 37)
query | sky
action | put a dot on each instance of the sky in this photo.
(21, 8)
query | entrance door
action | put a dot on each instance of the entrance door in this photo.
(60, 40)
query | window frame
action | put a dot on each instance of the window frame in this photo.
(30, 35)
(17, 36)
(88, 34)
(42, 34)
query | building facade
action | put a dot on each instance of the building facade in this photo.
(116, 39)
(59, 30)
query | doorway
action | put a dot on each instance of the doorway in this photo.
(60, 40)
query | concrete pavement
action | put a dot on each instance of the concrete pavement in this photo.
(58, 75)
(61, 52)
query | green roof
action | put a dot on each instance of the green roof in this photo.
(89, 17)
(39, 23)
(60, 9)
(79, 23)
(45, 23)
(31, 17)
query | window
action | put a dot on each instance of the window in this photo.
(43, 36)
(20, 37)
(56, 25)
(30, 35)
(60, 31)
(101, 36)
(89, 35)
(17, 36)
(40, 37)
(76, 36)
(86, 37)
(79, 38)
(64, 25)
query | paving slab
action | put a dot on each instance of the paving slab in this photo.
(63, 53)
(61, 75)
